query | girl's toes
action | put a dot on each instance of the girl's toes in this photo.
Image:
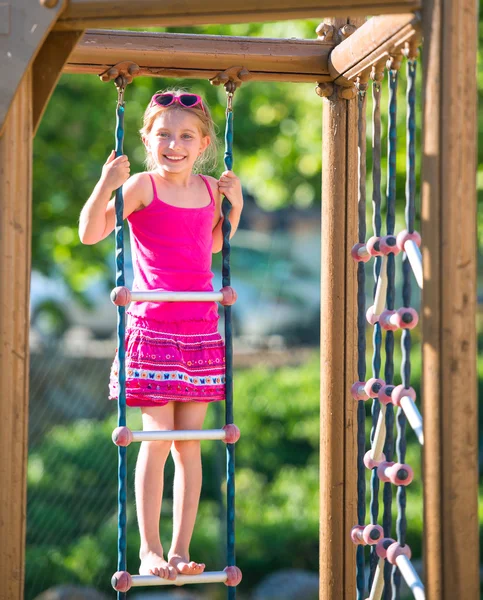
(172, 574)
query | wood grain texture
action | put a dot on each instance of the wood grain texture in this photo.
(372, 43)
(338, 421)
(449, 300)
(15, 244)
(83, 14)
(24, 27)
(47, 68)
(202, 56)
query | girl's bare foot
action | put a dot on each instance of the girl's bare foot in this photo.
(184, 566)
(153, 563)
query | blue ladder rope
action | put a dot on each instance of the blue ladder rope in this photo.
(121, 328)
(390, 299)
(120, 281)
(361, 340)
(401, 523)
(377, 334)
(226, 281)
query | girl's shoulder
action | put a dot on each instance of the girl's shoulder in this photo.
(140, 185)
(213, 183)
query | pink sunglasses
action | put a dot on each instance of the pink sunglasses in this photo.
(185, 100)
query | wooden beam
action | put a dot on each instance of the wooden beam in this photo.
(202, 56)
(338, 346)
(372, 44)
(48, 67)
(24, 25)
(450, 401)
(83, 14)
(15, 244)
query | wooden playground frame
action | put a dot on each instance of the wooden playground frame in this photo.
(40, 40)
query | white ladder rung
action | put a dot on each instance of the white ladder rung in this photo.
(123, 436)
(152, 580)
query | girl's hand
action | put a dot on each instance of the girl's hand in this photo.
(230, 186)
(115, 171)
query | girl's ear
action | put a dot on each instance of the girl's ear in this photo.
(205, 142)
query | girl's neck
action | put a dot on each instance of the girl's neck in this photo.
(174, 179)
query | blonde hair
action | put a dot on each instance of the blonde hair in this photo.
(207, 161)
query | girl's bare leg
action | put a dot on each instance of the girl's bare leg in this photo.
(149, 482)
(187, 487)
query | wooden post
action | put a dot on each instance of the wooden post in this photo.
(338, 346)
(15, 239)
(449, 300)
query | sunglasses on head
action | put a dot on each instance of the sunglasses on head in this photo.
(185, 100)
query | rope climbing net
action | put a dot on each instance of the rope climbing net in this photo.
(123, 436)
(389, 558)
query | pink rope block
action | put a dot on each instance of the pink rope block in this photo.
(404, 235)
(406, 318)
(371, 316)
(121, 296)
(384, 395)
(387, 319)
(373, 246)
(382, 546)
(359, 253)
(232, 433)
(121, 581)
(399, 392)
(366, 536)
(122, 436)
(372, 386)
(234, 576)
(229, 296)
(358, 392)
(396, 550)
(388, 245)
(403, 318)
(396, 473)
(371, 463)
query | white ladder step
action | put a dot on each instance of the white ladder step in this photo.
(122, 581)
(123, 436)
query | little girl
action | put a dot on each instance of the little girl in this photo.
(174, 353)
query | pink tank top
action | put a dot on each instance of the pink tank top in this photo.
(171, 250)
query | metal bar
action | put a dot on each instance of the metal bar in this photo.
(152, 580)
(378, 582)
(415, 260)
(380, 434)
(157, 296)
(413, 416)
(381, 288)
(411, 577)
(179, 435)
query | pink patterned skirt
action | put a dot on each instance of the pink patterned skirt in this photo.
(181, 362)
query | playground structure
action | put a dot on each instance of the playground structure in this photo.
(40, 41)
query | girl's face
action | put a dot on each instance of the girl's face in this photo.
(175, 141)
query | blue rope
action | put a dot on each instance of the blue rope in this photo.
(361, 342)
(377, 334)
(401, 524)
(226, 279)
(390, 298)
(121, 353)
